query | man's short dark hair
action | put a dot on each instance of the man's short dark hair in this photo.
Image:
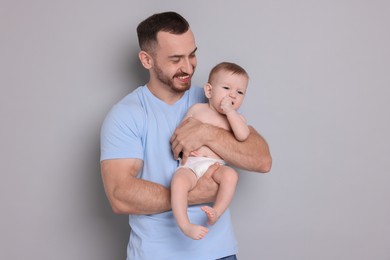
(166, 22)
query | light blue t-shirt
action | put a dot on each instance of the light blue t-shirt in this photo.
(140, 126)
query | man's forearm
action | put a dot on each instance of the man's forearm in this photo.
(141, 197)
(252, 154)
(146, 197)
(130, 195)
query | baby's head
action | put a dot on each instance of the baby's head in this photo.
(226, 80)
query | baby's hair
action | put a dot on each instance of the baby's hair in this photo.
(227, 66)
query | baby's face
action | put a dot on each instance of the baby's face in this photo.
(228, 86)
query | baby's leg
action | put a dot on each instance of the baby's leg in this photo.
(182, 182)
(227, 179)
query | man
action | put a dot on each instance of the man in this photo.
(140, 145)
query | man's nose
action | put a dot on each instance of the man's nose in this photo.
(187, 66)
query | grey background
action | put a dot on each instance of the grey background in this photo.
(319, 93)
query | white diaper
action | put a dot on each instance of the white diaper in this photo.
(199, 165)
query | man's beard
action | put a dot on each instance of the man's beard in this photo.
(179, 88)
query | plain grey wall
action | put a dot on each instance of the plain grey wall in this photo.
(319, 93)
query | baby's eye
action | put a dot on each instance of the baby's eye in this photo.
(224, 87)
(241, 92)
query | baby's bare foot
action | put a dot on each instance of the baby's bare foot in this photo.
(212, 215)
(195, 231)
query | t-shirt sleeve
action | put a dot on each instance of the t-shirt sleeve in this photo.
(121, 133)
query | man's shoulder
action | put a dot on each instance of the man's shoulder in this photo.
(128, 107)
(133, 98)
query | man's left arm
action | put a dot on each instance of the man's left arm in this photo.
(252, 154)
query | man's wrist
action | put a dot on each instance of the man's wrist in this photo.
(210, 133)
(214, 133)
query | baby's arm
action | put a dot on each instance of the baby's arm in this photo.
(236, 120)
(238, 124)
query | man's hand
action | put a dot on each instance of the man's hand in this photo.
(206, 188)
(189, 136)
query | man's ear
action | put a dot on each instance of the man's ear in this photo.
(207, 90)
(145, 59)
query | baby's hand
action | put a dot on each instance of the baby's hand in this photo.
(226, 105)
